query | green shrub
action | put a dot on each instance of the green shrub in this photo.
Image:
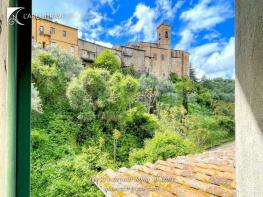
(162, 146)
(38, 138)
(107, 60)
(140, 124)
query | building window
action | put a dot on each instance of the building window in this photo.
(41, 29)
(166, 34)
(64, 33)
(44, 45)
(52, 30)
(162, 57)
(53, 44)
(72, 50)
(155, 56)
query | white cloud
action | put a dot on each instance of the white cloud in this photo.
(166, 8)
(145, 22)
(203, 16)
(105, 44)
(212, 35)
(115, 31)
(214, 59)
(207, 14)
(81, 14)
(93, 24)
(141, 25)
(187, 37)
(73, 13)
(99, 42)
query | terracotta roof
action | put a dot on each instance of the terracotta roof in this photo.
(211, 173)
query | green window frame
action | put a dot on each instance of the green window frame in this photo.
(19, 104)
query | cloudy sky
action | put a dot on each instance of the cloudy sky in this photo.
(205, 28)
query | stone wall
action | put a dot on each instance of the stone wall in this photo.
(133, 57)
(3, 84)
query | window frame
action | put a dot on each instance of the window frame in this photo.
(52, 30)
(41, 29)
(64, 33)
(17, 177)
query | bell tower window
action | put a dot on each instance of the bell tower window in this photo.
(166, 34)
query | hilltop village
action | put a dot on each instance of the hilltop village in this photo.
(158, 59)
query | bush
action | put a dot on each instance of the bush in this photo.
(48, 79)
(162, 146)
(107, 60)
(226, 123)
(140, 124)
(70, 176)
(38, 138)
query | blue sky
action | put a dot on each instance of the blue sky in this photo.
(205, 28)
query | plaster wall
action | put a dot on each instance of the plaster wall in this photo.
(3, 88)
(249, 97)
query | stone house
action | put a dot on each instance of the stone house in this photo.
(49, 33)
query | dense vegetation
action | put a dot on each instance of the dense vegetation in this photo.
(105, 116)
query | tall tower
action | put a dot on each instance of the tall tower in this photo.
(164, 36)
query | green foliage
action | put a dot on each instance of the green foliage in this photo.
(68, 64)
(221, 89)
(85, 121)
(107, 60)
(174, 77)
(153, 90)
(38, 138)
(184, 88)
(141, 124)
(70, 175)
(129, 70)
(192, 74)
(162, 146)
(100, 97)
(47, 78)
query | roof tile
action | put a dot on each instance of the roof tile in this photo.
(211, 173)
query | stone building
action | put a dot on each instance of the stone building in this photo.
(89, 51)
(157, 59)
(47, 32)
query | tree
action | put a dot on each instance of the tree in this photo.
(107, 60)
(69, 65)
(48, 78)
(185, 87)
(152, 89)
(193, 74)
(97, 95)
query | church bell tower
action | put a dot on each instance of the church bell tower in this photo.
(164, 36)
